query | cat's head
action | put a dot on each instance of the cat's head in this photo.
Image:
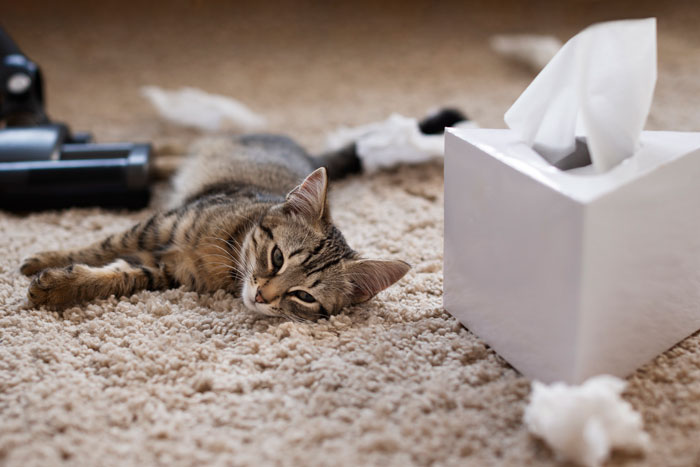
(298, 265)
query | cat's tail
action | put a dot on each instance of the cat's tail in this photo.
(385, 144)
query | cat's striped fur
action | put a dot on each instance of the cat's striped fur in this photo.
(245, 220)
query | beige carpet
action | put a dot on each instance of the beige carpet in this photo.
(173, 378)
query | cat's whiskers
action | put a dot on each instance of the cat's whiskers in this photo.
(237, 251)
(223, 230)
(224, 270)
(202, 268)
(293, 317)
(222, 249)
(228, 257)
(235, 247)
(217, 254)
(230, 269)
(224, 275)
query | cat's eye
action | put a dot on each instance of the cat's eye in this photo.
(277, 259)
(304, 296)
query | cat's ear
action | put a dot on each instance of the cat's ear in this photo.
(370, 276)
(309, 198)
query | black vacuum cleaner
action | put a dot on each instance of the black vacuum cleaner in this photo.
(45, 166)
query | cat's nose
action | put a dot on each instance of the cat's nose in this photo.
(259, 298)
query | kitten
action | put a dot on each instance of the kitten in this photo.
(247, 221)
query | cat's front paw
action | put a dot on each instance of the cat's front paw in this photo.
(53, 288)
(41, 261)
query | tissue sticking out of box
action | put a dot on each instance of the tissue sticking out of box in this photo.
(598, 86)
(583, 423)
(209, 112)
(396, 140)
(532, 50)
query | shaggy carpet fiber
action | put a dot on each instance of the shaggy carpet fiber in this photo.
(175, 378)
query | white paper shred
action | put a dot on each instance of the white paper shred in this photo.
(532, 50)
(396, 140)
(209, 112)
(584, 423)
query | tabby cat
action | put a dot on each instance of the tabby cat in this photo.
(248, 220)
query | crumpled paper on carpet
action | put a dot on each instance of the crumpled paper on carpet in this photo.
(531, 50)
(396, 140)
(209, 112)
(584, 423)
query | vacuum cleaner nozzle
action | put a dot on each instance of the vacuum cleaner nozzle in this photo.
(43, 165)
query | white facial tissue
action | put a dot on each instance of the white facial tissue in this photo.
(209, 112)
(598, 86)
(583, 423)
(532, 50)
(396, 140)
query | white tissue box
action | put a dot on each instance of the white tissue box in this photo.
(568, 276)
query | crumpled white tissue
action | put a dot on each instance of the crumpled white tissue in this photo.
(583, 423)
(533, 50)
(209, 112)
(599, 86)
(396, 140)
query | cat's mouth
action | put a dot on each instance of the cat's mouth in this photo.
(248, 296)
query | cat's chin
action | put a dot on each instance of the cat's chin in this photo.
(261, 309)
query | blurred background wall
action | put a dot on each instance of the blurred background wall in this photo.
(310, 66)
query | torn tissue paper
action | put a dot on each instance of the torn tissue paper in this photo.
(533, 50)
(396, 140)
(196, 108)
(598, 86)
(583, 423)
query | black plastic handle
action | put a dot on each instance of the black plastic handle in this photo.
(7, 45)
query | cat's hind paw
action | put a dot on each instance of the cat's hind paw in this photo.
(40, 261)
(53, 288)
(31, 266)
